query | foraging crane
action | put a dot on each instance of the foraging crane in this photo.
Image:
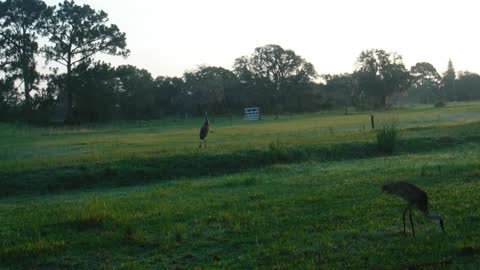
(415, 197)
(204, 131)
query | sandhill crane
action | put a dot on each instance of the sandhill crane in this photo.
(415, 197)
(204, 131)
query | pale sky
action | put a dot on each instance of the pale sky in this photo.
(169, 37)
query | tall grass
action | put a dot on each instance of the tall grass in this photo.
(388, 138)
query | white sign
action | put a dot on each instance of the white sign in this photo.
(252, 113)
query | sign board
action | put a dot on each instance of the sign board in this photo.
(252, 113)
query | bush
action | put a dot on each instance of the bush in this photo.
(387, 138)
(440, 104)
(278, 150)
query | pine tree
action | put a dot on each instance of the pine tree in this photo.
(449, 82)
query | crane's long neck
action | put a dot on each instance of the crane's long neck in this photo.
(436, 218)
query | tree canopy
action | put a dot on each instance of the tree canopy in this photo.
(276, 65)
(424, 73)
(20, 24)
(381, 74)
(468, 86)
(76, 33)
(136, 95)
(448, 82)
(275, 70)
(77, 88)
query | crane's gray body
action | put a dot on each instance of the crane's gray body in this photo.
(415, 197)
(410, 193)
(204, 131)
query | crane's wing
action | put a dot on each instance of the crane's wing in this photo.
(407, 191)
(203, 132)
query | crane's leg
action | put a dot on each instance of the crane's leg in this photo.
(404, 213)
(411, 222)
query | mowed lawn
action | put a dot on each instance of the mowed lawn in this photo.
(309, 215)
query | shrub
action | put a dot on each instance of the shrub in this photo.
(440, 104)
(387, 138)
(278, 150)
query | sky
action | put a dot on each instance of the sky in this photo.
(170, 37)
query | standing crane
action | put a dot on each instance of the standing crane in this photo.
(415, 197)
(204, 131)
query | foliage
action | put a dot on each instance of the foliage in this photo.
(206, 88)
(440, 104)
(167, 93)
(448, 82)
(388, 138)
(273, 78)
(467, 86)
(21, 22)
(136, 93)
(76, 34)
(380, 74)
(275, 71)
(424, 73)
(8, 98)
(342, 89)
(95, 89)
(426, 85)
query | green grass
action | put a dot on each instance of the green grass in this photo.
(311, 198)
(25, 148)
(387, 138)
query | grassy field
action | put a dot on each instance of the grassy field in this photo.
(302, 192)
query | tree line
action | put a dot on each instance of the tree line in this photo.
(79, 89)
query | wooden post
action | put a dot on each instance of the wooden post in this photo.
(372, 119)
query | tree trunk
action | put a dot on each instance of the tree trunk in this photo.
(277, 107)
(346, 105)
(28, 102)
(68, 89)
(27, 88)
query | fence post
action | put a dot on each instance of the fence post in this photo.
(372, 119)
